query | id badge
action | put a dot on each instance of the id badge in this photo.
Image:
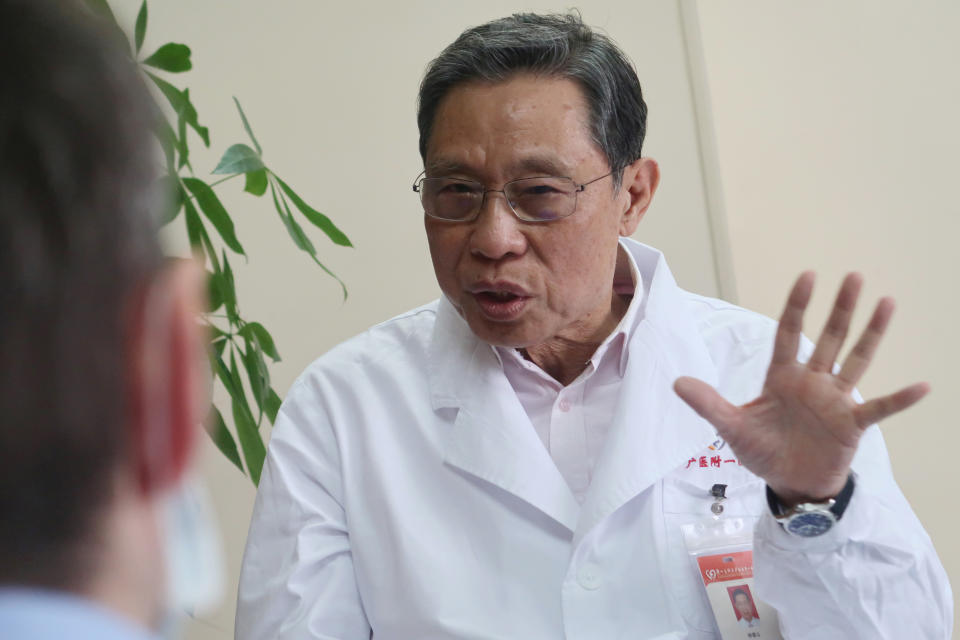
(721, 552)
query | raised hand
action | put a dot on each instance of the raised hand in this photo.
(801, 434)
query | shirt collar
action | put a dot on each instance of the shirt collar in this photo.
(42, 614)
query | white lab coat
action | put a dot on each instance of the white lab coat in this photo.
(406, 492)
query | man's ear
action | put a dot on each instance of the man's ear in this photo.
(640, 181)
(168, 380)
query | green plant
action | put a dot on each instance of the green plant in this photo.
(237, 344)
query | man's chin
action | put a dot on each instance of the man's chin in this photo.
(517, 334)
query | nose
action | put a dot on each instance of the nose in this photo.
(497, 232)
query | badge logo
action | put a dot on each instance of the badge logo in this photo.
(718, 444)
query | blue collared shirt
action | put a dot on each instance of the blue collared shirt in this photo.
(34, 614)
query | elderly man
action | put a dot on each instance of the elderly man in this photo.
(101, 360)
(516, 459)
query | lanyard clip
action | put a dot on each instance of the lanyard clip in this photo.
(719, 492)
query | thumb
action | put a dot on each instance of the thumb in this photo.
(705, 400)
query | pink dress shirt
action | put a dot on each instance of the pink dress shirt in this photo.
(573, 421)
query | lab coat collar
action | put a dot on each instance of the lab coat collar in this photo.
(492, 437)
(653, 431)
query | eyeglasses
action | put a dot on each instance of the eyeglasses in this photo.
(531, 199)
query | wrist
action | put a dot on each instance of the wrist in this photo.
(811, 518)
(789, 498)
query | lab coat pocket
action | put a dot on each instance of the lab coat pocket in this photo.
(687, 500)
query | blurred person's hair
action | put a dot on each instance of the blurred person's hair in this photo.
(557, 46)
(78, 242)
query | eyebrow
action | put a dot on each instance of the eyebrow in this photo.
(444, 166)
(543, 165)
(537, 164)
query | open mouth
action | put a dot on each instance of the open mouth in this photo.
(497, 296)
(500, 305)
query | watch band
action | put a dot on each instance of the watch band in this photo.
(837, 508)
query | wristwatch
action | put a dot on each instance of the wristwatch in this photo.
(811, 519)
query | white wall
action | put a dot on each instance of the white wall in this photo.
(330, 91)
(839, 149)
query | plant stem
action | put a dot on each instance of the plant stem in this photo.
(190, 196)
(213, 184)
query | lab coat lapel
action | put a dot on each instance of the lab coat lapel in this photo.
(653, 430)
(492, 437)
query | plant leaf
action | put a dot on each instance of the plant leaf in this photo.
(299, 237)
(343, 286)
(169, 143)
(250, 441)
(140, 29)
(213, 209)
(319, 220)
(256, 331)
(240, 396)
(172, 200)
(222, 372)
(257, 373)
(229, 290)
(256, 182)
(214, 291)
(172, 57)
(246, 125)
(294, 230)
(272, 405)
(197, 233)
(194, 225)
(180, 102)
(222, 437)
(239, 158)
(218, 340)
(253, 449)
(182, 135)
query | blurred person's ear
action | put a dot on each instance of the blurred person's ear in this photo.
(168, 382)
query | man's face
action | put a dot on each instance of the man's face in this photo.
(516, 283)
(743, 605)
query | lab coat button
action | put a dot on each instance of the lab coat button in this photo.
(564, 405)
(589, 577)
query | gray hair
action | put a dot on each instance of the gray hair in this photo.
(558, 45)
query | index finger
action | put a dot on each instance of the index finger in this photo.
(787, 341)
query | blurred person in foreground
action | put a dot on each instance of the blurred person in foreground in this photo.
(516, 459)
(102, 367)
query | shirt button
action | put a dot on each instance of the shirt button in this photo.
(589, 577)
(564, 405)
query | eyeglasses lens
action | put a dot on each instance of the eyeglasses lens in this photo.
(542, 199)
(449, 198)
(532, 199)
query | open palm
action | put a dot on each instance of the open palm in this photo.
(801, 433)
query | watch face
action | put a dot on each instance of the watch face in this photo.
(810, 524)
